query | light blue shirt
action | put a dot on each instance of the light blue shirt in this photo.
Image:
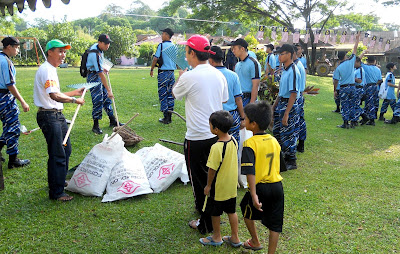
(345, 71)
(290, 81)
(359, 73)
(168, 64)
(302, 84)
(95, 60)
(390, 79)
(277, 63)
(303, 60)
(271, 61)
(7, 72)
(372, 74)
(234, 89)
(247, 70)
(252, 54)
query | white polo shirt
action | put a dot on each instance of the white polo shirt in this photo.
(205, 89)
(46, 82)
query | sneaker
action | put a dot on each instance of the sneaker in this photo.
(97, 130)
(18, 163)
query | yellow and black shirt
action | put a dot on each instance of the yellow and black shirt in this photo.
(261, 157)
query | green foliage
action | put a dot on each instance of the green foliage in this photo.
(123, 42)
(252, 41)
(357, 21)
(147, 50)
(261, 56)
(141, 31)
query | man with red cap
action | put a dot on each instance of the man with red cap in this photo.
(205, 89)
(8, 106)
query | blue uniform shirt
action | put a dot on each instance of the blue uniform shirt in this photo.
(234, 89)
(168, 64)
(303, 60)
(252, 54)
(247, 70)
(345, 71)
(372, 74)
(277, 63)
(7, 71)
(390, 79)
(360, 74)
(95, 61)
(271, 61)
(290, 80)
(302, 84)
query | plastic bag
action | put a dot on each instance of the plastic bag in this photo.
(91, 176)
(162, 165)
(383, 91)
(244, 135)
(127, 179)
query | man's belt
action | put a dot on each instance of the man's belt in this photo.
(359, 86)
(346, 85)
(283, 99)
(246, 95)
(4, 90)
(370, 84)
(49, 109)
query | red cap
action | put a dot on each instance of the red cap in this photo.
(199, 43)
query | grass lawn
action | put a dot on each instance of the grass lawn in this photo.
(344, 198)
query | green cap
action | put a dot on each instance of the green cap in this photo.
(56, 44)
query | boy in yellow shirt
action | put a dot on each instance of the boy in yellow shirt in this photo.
(261, 163)
(221, 188)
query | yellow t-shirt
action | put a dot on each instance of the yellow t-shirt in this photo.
(261, 157)
(224, 186)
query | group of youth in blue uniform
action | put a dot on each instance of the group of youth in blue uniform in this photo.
(355, 82)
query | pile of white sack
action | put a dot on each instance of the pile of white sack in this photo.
(110, 167)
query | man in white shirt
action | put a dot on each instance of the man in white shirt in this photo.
(49, 99)
(205, 89)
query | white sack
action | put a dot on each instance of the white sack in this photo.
(127, 179)
(91, 176)
(162, 165)
(244, 135)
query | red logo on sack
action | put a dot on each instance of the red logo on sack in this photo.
(128, 187)
(81, 180)
(165, 170)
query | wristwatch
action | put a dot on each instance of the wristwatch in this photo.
(73, 99)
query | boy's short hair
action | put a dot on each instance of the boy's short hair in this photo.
(270, 46)
(371, 59)
(260, 113)
(390, 66)
(222, 120)
(341, 55)
(202, 56)
(219, 54)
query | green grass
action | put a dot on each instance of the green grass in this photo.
(344, 198)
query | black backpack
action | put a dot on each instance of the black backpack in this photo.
(83, 70)
(160, 61)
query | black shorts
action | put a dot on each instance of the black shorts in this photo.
(216, 208)
(272, 199)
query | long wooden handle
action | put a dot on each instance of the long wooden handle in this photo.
(73, 120)
(123, 127)
(113, 101)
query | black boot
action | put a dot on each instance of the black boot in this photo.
(381, 118)
(291, 164)
(353, 124)
(345, 125)
(371, 122)
(1, 156)
(14, 162)
(364, 119)
(337, 110)
(165, 120)
(96, 129)
(300, 146)
(394, 120)
(169, 117)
